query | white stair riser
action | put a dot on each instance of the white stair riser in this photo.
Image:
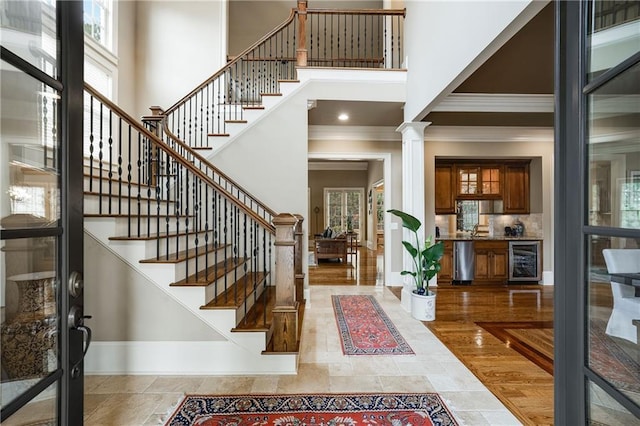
(117, 188)
(248, 304)
(112, 204)
(164, 245)
(190, 265)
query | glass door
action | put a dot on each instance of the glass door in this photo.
(42, 334)
(597, 245)
(344, 209)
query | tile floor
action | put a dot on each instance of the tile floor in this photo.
(149, 400)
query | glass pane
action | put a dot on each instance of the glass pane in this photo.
(614, 312)
(40, 411)
(614, 34)
(614, 152)
(29, 329)
(28, 29)
(354, 203)
(602, 409)
(29, 195)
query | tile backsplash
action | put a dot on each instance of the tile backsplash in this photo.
(496, 224)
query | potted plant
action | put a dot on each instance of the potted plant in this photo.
(426, 264)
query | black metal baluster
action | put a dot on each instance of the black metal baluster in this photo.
(139, 183)
(110, 173)
(120, 165)
(91, 138)
(226, 258)
(129, 176)
(100, 146)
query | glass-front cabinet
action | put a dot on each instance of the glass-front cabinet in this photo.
(479, 181)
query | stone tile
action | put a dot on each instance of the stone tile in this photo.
(124, 384)
(92, 382)
(471, 400)
(366, 365)
(184, 384)
(400, 384)
(93, 401)
(226, 385)
(264, 384)
(124, 410)
(346, 384)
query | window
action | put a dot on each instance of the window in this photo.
(344, 208)
(97, 21)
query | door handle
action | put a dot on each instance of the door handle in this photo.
(76, 322)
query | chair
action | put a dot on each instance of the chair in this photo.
(626, 307)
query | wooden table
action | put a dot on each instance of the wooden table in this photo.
(627, 278)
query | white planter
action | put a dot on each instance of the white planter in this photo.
(423, 308)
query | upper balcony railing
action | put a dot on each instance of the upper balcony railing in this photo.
(308, 37)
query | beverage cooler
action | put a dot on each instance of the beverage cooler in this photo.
(525, 261)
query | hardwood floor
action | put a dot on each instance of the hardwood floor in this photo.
(366, 268)
(524, 387)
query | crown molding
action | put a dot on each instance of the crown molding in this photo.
(495, 102)
(354, 133)
(345, 164)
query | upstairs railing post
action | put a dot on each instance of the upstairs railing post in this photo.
(301, 52)
(285, 312)
(153, 123)
(299, 275)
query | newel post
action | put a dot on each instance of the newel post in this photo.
(285, 312)
(301, 52)
(153, 123)
(299, 275)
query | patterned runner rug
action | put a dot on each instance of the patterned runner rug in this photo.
(280, 410)
(365, 329)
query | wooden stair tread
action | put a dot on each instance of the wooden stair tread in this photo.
(236, 294)
(254, 320)
(199, 279)
(288, 81)
(203, 148)
(253, 107)
(270, 94)
(135, 215)
(218, 134)
(236, 121)
(182, 255)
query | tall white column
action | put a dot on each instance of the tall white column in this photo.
(412, 190)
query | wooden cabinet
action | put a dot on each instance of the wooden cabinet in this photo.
(479, 181)
(445, 189)
(491, 261)
(445, 276)
(516, 188)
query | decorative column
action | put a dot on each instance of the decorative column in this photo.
(285, 312)
(413, 192)
(299, 250)
(301, 52)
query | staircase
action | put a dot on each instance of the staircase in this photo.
(153, 198)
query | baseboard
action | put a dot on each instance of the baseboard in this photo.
(547, 277)
(183, 358)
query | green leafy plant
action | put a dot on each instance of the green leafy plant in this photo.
(426, 257)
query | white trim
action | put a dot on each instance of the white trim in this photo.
(388, 179)
(354, 133)
(183, 358)
(334, 165)
(344, 191)
(496, 102)
(488, 134)
(547, 277)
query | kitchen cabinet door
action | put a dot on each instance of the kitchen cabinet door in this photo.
(445, 276)
(479, 182)
(516, 194)
(491, 262)
(445, 189)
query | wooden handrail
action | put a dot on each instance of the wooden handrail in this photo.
(177, 157)
(386, 12)
(215, 169)
(235, 60)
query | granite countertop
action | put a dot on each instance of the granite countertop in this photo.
(445, 237)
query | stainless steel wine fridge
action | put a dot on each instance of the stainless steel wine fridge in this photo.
(525, 261)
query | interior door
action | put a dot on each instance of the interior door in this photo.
(43, 338)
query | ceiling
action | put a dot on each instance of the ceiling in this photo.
(523, 65)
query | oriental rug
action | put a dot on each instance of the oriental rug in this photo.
(313, 410)
(365, 329)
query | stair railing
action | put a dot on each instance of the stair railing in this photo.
(365, 38)
(161, 197)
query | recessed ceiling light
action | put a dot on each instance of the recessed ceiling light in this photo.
(343, 117)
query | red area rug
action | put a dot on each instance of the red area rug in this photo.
(425, 409)
(365, 329)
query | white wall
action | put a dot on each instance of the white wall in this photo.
(178, 44)
(126, 53)
(126, 306)
(455, 38)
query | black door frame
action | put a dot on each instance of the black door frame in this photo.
(70, 229)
